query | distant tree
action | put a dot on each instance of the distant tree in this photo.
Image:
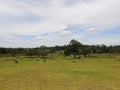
(117, 49)
(30, 52)
(85, 50)
(111, 49)
(20, 50)
(13, 52)
(73, 48)
(103, 48)
(43, 51)
(67, 51)
(3, 50)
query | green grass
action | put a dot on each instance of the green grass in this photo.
(60, 74)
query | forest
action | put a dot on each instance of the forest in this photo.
(73, 48)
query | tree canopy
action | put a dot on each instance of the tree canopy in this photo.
(73, 48)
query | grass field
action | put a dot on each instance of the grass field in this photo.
(60, 74)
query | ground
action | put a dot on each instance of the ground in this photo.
(101, 73)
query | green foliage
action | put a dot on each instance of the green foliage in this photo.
(3, 50)
(73, 48)
(13, 53)
(85, 50)
(30, 52)
(43, 51)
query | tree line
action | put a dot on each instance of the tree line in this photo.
(74, 47)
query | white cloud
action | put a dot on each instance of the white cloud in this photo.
(98, 14)
(65, 33)
(19, 16)
(107, 40)
(92, 30)
(32, 28)
(48, 38)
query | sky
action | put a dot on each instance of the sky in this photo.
(32, 23)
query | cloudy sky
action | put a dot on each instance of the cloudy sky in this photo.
(31, 23)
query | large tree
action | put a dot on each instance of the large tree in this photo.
(73, 48)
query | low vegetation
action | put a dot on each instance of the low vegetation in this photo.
(100, 72)
(71, 67)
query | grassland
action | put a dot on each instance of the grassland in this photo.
(101, 73)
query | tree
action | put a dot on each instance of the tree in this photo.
(3, 50)
(13, 53)
(30, 52)
(85, 50)
(42, 51)
(73, 48)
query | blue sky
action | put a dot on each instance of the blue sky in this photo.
(31, 23)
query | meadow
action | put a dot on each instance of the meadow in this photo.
(60, 73)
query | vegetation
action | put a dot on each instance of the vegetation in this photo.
(74, 47)
(70, 67)
(99, 73)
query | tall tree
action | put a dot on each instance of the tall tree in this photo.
(73, 48)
